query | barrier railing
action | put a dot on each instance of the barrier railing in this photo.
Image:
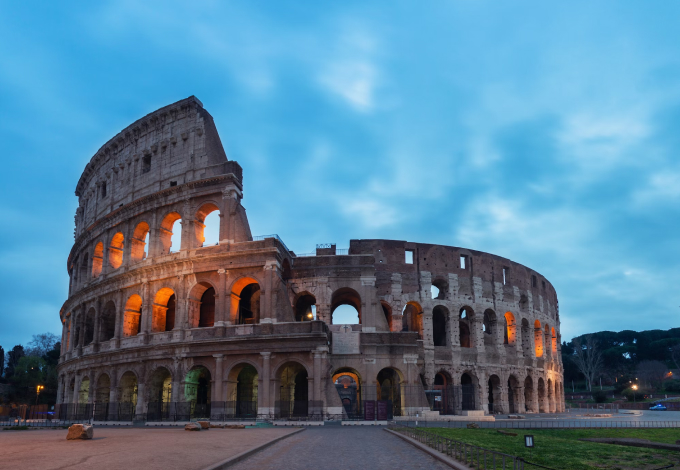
(547, 424)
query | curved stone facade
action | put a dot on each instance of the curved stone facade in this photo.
(247, 325)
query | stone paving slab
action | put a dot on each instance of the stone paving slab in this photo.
(341, 448)
(129, 448)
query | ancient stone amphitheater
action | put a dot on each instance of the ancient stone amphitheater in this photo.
(160, 329)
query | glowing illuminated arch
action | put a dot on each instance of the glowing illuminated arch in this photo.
(163, 310)
(138, 242)
(166, 231)
(199, 220)
(116, 250)
(510, 328)
(244, 290)
(97, 259)
(202, 304)
(132, 315)
(538, 339)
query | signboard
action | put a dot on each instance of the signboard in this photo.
(383, 406)
(369, 410)
(346, 341)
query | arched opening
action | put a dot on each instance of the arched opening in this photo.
(510, 336)
(546, 338)
(197, 391)
(489, 326)
(207, 225)
(523, 302)
(412, 318)
(467, 389)
(538, 339)
(439, 289)
(103, 389)
(84, 391)
(139, 242)
(554, 341)
(389, 390)
(440, 316)
(245, 301)
(465, 317)
(89, 326)
(345, 307)
(128, 396)
(348, 385)
(116, 251)
(132, 316)
(494, 390)
(526, 338)
(107, 322)
(163, 310)
(513, 394)
(171, 234)
(529, 394)
(551, 397)
(442, 399)
(541, 395)
(97, 259)
(305, 307)
(242, 393)
(206, 317)
(293, 391)
(160, 394)
(387, 311)
(84, 263)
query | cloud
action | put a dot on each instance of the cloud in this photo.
(660, 188)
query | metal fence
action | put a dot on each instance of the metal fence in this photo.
(474, 456)
(546, 424)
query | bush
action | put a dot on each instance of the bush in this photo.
(634, 395)
(600, 396)
(672, 386)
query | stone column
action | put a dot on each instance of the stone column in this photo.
(70, 330)
(266, 309)
(188, 237)
(147, 312)
(176, 381)
(217, 388)
(265, 405)
(519, 393)
(454, 326)
(316, 396)
(477, 331)
(97, 319)
(76, 388)
(222, 311)
(120, 318)
(139, 409)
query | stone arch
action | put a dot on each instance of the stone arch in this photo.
(84, 390)
(541, 395)
(346, 296)
(538, 339)
(553, 341)
(305, 306)
(132, 316)
(526, 338)
(97, 259)
(103, 392)
(412, 318)
(529, 394)
(128, 384)
(197, 385)
(495, 394)
(166, 232)
(390, 382)
(89, 325)
(159, 385)
(242, 390)
(551, 397)
(468, 383)
(245, 300)
(163, 314)
(444, 400)
(349, 386)
(293, 390)
(387, 311)
(138, 242)
(116, 250)
(203, 211)
(107, 321)
(440, 325)
(465, 318)
(442, 286)
(510, 336)
(202, 305)
(513, 394)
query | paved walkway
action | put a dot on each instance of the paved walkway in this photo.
(128, 448)
(342, 448)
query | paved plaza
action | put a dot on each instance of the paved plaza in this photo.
(129, 448)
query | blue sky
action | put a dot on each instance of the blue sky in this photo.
(547, 133)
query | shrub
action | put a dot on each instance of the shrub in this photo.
(672, 386)
(600, 396)
(634, 395)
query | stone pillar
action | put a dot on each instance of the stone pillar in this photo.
(477, 331)
(316, 396)
(147, 312)
(222, 311)
(519, 393)
(139, 409)
(120, 317)
(265, 405)
(505, 396)
(97, 319)
(454, 326)
(217, 388)
(76, 388)
(176, 381)
(266, 308)
(188, 237)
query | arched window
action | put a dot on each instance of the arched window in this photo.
(107, 324)
(116, 251)
(293, 391)
(510, 329)
(464, 323)
(140, 242)
(207, 225)
(163, 310)
(439, 325)
(412, 318)
(538, 339)
(171, 233)
(132, 316)
(89, 326)
(245, 301)
(489, 323)
(305, 308)
(345, 307)
(84, 268)
(439, 289)
(97, 259)
(207, 311)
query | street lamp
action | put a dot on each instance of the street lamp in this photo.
(634, 387)
(37, 392)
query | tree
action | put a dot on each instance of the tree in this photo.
(41, 344)
(588, 358)
(12, 360)
(653, 372)
(2, 360)
(675, 355)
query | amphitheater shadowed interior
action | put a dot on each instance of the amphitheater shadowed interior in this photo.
(176, 311)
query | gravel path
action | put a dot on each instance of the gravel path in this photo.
(341, 447)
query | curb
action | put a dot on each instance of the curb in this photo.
(244, 455)
(429, 450)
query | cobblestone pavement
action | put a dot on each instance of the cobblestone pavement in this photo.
(342, 448)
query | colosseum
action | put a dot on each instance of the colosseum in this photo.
(159, 325)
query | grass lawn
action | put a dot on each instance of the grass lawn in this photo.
(560, 448)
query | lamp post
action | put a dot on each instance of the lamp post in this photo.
(634, 387)
(37, 392)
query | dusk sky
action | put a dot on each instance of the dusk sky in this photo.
(544, 132)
